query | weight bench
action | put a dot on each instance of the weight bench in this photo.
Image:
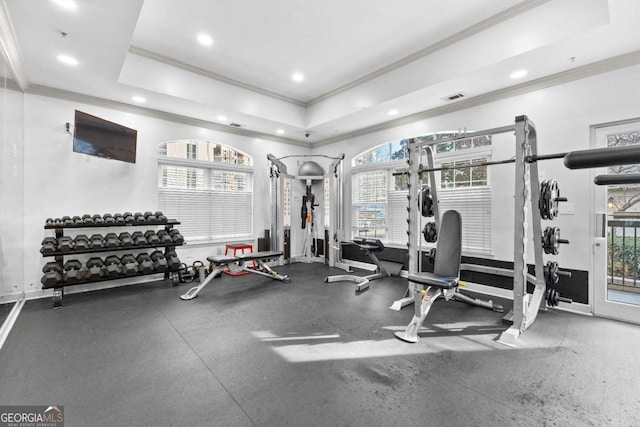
(235, 263)
(384, 268)
(443, 282)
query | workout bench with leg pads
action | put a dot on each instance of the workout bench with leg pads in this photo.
(443, 282)
(235, 263)
(384, 268)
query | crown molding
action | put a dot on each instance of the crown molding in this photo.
(215, 76)
(10, 48)
(607, 65)
(157, 114)
(492, 21)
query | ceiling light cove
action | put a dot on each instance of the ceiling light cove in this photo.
(68, 60)
(393, 112)
(221, 118)
(67, 4)
(518, 74)
(280, 131)
(205, 39)
(297, 77)
(139, 99)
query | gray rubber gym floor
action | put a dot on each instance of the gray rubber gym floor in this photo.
(251, 351)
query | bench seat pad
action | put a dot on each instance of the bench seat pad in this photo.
(430, 279)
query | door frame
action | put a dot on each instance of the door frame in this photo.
(600, 305)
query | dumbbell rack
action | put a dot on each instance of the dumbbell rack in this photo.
(58, 288)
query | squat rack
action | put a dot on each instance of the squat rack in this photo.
(525, 306)
(526, 209)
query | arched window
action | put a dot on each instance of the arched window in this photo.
(208, 188)
(379, 197)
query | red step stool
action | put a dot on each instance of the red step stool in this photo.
(235, 250)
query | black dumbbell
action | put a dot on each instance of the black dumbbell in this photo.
(113, 267)
(57, 221)
(152, 238)
(48, 221)
(96, 268)
(52, 274)
(65, 244)
(108, 219)
(160, 217)
(97, 241)
(128, 218)
(52, 266)
(73, 272)
(66, 220)
(159, 261)
(129, 265)
(139, 218)
(145, 263)
(97, 219)
(125, 239)
(48, 245)
(150, 218)
(118, 218)
(177, 238)
(77, 220)
(138, 238)
(111, 240)
(164, 237)
(173, 262)
(81, 242)
(86, 218)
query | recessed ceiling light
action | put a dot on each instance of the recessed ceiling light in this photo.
(66, 59)
(139, 99)
(205, 39)
(280, 131)
(222, 118)
(297, 77)
(67, 4)
(518, 74)
(393, 112)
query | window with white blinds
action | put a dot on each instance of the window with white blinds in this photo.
(379, 199)
(212, 200)
(474, 205)
(369, 204)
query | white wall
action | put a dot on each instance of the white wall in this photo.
(59, 182)
(563, 115)
(11, 194)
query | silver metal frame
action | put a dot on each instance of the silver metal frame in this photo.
(525, 306)
(279, 175)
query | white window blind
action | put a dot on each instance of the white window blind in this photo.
(369, 204)
(379, 199)
(209, 215)
(212, 202)
(474, 205)
(397, 217)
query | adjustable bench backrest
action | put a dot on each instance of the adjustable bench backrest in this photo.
(449, 245)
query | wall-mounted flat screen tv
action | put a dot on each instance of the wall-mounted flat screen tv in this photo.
(98, 137)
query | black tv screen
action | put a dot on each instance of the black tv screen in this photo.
(98, 137)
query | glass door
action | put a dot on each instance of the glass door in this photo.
(617, 245)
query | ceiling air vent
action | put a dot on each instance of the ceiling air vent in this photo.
(235, 125)
(453, 97)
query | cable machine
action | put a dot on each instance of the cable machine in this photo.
(306, 210)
